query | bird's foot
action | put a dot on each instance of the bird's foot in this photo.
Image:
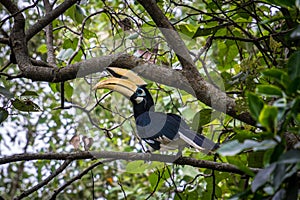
(148, 154)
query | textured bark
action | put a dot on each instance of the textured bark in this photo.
(189, 79)
(224, 167)
(205, 92)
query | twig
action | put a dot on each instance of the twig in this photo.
(156, 185)
(5, 66)
(124, 193)
(48, 18)
(174, 183)
(16, 13)
(79, 176)
(44, 182)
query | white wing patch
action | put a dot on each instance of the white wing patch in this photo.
(190, 142)
(149, 141)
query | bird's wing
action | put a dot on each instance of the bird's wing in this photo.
(197, 141)
(160, 129)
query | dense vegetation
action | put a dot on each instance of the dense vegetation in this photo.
(231, 68)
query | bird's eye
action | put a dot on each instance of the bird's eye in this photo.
(140, 92)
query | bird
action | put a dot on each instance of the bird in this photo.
(161, 131)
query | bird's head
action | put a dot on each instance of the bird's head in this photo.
(131, 86)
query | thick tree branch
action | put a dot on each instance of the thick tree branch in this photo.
(48, 18)
(205, 92)
(49, 36)
(223, 167)
(193, 83)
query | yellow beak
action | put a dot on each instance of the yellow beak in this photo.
(126, 74)
(123, 86)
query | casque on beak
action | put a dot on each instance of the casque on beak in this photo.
(123, 81)
(123, 86)
(126, 74)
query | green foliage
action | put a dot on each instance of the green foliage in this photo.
(250, 49)
(255, 105)
(3, 115)
(281, 164)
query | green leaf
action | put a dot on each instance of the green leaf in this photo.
(279, 173)
(89, 34)
(262, 177)
(42, 48)
(294, 65)
(79, 14)
(76, 13)
(158, 178)
(255, 104)
(133, 36)
(65, 54)
(255, 159)
(54, 87)
(290, 157)
(5, 92)
(240, 164)
(208, 31)
(294, 86)
(282, 3)
(201, 118)
(269, 90)
(234, 147)
(187, 29)
(25, 105)
(277, 75)
(29, 93)
(268, 117)
(154, 181)
(3, 115)
(189, 171)
(138, 166)
(68, 90)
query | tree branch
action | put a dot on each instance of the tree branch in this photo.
(51, 59)
(48, 18)
(193, 83)
(223, 167)
(205, 92)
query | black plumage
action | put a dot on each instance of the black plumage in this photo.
(159, 130)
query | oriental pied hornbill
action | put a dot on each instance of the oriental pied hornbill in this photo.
(161, 131)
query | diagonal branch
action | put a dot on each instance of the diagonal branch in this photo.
(48, 18)
(79, 176)
(205, 92)
(45, 181)
(191, 81)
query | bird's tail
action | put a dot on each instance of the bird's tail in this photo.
(199, 142)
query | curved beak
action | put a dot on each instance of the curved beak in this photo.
(127, 75)
(123, 86)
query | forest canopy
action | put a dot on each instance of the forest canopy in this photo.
(229, 68)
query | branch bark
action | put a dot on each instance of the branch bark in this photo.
(191, 81)
(48, 18)
(223, 167)
(205, 92)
